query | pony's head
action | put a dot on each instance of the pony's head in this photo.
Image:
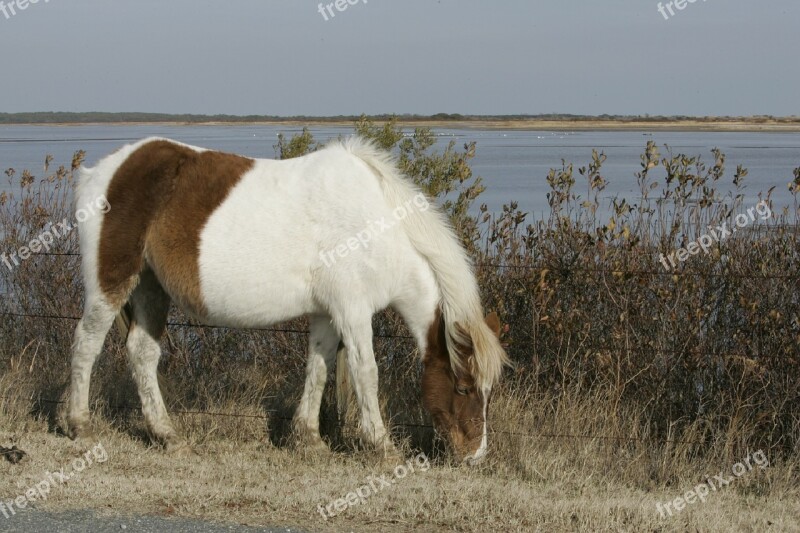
(458, 398)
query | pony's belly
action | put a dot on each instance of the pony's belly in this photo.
(252, 273)
(246, 300)
(252, 284)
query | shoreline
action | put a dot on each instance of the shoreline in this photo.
(511, 125)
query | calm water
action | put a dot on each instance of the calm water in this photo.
(514, 164)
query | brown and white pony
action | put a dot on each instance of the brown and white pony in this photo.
(336, 235)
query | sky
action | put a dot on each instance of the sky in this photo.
(292, 57)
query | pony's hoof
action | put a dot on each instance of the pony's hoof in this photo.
(318, 447)
(312, 444)
(80, 431)
(388, 454)
(392, 458)
(179, 448)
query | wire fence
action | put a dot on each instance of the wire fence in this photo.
(275, 414)
(499, 266)
(561, 269)
(293, 331)
(566, 269)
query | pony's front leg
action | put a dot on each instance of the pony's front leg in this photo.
(322, 343)
(364, 374)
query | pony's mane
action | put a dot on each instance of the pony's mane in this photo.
(432, 235)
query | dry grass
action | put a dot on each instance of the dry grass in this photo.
(544, 484)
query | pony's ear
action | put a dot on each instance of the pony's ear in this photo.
(493, 321)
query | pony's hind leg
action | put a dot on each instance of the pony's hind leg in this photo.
(90, 334)
(322, 343)
(149, 307)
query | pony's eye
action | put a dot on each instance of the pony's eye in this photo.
(463, 391)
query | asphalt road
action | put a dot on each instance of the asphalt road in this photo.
(33, 521)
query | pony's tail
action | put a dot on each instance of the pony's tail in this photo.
(345, 396)
(82, 197)
(124, 319)
(431, 234)
(92, 183)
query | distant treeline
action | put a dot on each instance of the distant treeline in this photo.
(101, 117)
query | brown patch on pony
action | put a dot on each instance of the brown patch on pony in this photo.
(161, 198)
(454, 402)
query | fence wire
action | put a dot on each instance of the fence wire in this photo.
(274, 415)
(557, 269)
(568, 269)
(291, 331)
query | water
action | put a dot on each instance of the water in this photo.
(513, 164)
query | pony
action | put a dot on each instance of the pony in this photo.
(336, 235)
